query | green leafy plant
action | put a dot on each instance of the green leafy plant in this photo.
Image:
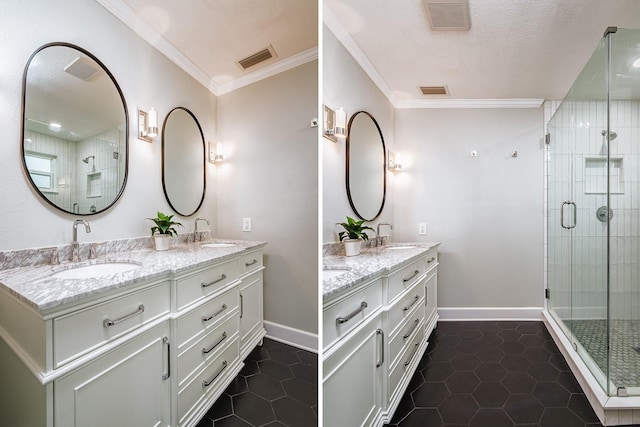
(164, 225)
(354, 230)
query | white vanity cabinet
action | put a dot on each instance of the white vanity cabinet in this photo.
(374, 337)
(156, 353)
(251, 297)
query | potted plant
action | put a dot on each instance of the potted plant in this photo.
(353, 235)
(163, 230)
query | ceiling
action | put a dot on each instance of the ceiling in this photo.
(517, 53)
(207, 38)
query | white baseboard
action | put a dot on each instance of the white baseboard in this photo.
(490, 313)
(295, 337)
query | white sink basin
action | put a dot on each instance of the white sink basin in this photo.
(91, 271)
(330, 273)
(218, 245)
(402, 247)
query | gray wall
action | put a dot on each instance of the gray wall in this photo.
(147, 79)
(271, 175)
(346, 85)
(487, 210)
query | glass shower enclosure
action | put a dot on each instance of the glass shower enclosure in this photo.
(593, 213)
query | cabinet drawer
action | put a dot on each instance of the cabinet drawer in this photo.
(404, 335)
(203, 318)
(210, 380)
(203, 283)
(199, 352)
(78, 333)
(406, 277)
(406, 358)
(431, 293)
(405, 305)
(249, 262)
(341, 317)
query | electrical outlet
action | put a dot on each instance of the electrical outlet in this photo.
(422, 229)
(246, 224)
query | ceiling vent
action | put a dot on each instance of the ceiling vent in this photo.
(82, 68)
(447, 15)
(257, 57)
(434, 90)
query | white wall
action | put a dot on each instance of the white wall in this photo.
(146, 78)
(270, 174)
(487, 210)
(346, 85)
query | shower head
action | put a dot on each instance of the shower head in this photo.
(612, 134)
(86, 159)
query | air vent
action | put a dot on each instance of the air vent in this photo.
(82, 68)
(447, 15)
(434, 90)
(257, 57)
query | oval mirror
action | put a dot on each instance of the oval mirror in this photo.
(365, 171)
(183, 161)
(74, 130)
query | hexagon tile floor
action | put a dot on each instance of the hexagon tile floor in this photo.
(493, 374)
(277, 387)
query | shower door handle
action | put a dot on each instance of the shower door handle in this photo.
(575, 215)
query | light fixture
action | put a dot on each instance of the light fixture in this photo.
(55, 127)
(636, 63)
(394, 162)
(335, 123)
(216, 152)
(147, 124)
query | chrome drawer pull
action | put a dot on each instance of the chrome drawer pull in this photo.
(380, 333)
(224, 336)
(415, 273)
(412, 354)
(341, 320)
(408, 307)
(431, 260)
(205, 285)
(248, 264)
(241, 306)
(166, 375)
(407, 335)
(108, 322)
(206, 383)
(206, 319)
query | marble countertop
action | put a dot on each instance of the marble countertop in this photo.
(371, 263)
(35, 286)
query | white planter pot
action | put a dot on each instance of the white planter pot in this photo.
(352, 246)
(162, 241)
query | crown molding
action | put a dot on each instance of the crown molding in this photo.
(334, 25)
(271, 70)
(353, 48)
(469, 103)
(125, 14)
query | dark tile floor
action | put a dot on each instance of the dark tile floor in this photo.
(493, 374)
(277, 387)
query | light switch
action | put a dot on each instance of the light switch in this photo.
(246, 224)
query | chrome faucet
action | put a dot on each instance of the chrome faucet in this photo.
(75, 246)
(196, 236)
(378, 237)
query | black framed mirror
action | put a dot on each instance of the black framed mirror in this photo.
(75, 127)
(366, 177)
(183, 161)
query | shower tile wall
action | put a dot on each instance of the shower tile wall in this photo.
(578, 127)
(72, 174)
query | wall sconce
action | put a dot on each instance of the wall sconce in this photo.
(216, 152)
(395, 162)
(147, 124)
(335, 123)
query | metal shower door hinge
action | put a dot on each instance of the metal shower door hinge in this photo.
(547, 293)
(547, 139)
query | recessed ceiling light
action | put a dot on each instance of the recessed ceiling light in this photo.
(636, 63)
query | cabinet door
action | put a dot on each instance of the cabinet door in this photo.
(251, 319)
(353, 375)
(128, 386)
